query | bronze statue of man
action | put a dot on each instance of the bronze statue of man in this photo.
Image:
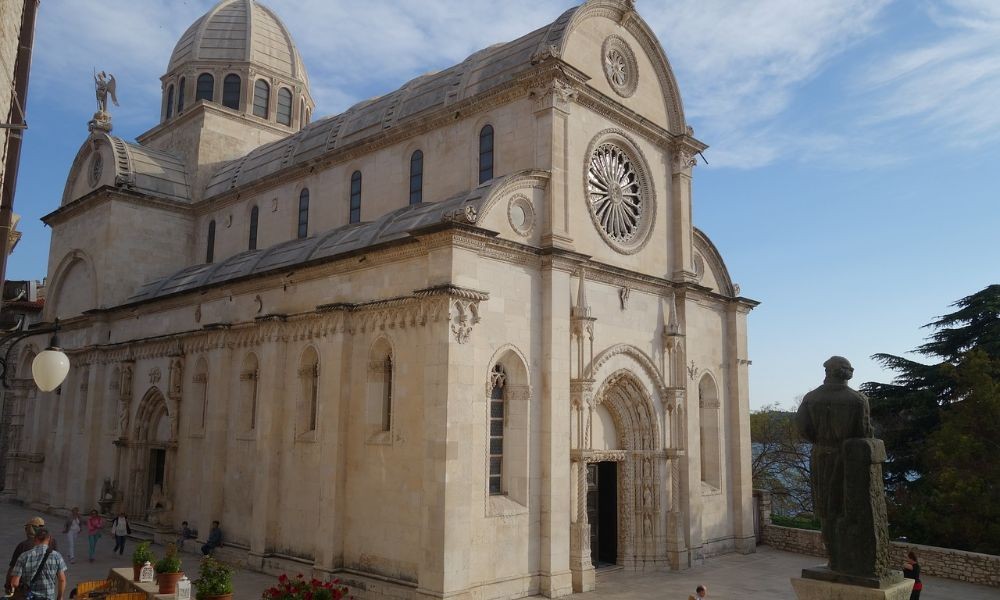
(846, 465)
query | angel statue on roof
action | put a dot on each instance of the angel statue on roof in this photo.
(105, 84)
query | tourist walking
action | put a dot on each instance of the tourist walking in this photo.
(42, 568)
(120, 528)
(74, 523)
(700, 593)
(911, 570)
(26, 544)
(94, 526)
(214, 539)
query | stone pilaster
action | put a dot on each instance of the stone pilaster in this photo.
(684, 150)
(221, 381)
(552, 110)
(334, 380)
(269, 428)
(738, 398)
(555, 576)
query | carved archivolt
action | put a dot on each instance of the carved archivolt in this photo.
(639, 357)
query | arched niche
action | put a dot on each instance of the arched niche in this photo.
(708, 412)
(74, 287)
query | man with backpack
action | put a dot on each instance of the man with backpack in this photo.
(42, 568)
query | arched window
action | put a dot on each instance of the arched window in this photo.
(261, 98)
(201, 394)
(248, 394)
(254, 214)
(496, 417)
(303, 213)
(205, 90)
(170, 101)
(708, 403)
(231, 91)
(284, 106)
(355, 197)
(417, 177)
(380, 398)
(486, 154)
(309, 378)
(180, 96)
(210, 246)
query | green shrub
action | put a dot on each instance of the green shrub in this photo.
(170, 563)
(142, 554)
(799, 522)
(214, 579)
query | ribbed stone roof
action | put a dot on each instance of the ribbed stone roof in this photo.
(149, 171)
(393, 226)
(240, 31)
(486, 69)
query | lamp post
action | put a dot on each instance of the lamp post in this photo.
(50, 367)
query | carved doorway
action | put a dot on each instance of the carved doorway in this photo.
(152, 452)
(602, 512)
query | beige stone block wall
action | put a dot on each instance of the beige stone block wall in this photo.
(583, 50)
(10, 29)
(451, 156)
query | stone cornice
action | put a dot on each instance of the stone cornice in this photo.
(108, 193)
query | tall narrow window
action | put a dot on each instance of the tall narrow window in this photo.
(170, 101)
(496, 417)
(303, 213)
(254, 214)
(261, 98)
(284, 106)
(417, 177)
(309, 378)
(180, 96)
(356, 197)
(210, 246)
(249, 375)
(387, 395)
(302, 113)
(708, 415)
(231, 91)
(205, 90)
(201, 391)
(486, 154)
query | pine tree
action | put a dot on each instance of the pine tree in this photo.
(941, 422)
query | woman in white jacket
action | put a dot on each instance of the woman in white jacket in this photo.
(120, 528)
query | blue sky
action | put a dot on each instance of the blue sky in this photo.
(852, 180)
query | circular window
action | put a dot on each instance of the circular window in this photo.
(619, 194)
(521, 215)
(96, 168)
(620, 66)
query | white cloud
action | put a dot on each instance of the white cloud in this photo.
(741, 64)
(948, 87)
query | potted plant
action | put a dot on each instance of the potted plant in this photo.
(141, 556)
(300, 588)
(215, 581)
(168, 570)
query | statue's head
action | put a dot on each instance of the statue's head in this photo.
(838, 369)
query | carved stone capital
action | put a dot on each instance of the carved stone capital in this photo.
(556, 94)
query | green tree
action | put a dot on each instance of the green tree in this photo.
(941, 425)
(780, 461)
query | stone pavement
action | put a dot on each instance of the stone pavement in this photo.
(761, 576)
(248, 585)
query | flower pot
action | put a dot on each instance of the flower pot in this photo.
(168, 582)
(220, 597)
(135, 572)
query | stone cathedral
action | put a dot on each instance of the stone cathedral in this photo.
(461, 340)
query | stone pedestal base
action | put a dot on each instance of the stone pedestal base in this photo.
(814, 589)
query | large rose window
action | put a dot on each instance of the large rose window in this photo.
(619, 193)
(615, 193)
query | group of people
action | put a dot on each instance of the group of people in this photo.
(39, 569)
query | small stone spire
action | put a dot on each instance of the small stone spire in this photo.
(581, 309)
(673, 324)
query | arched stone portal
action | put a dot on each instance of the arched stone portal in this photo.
(152, 449)
(634, 468)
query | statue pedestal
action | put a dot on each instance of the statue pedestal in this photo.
(815, 589)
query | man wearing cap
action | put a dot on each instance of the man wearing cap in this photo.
(43, 568)
(27, 544)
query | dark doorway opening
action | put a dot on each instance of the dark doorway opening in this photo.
(602, 512)
(157, 469)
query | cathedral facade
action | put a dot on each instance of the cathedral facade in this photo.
(462, 340)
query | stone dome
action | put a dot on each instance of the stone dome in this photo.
(240, 31)
(239, 57)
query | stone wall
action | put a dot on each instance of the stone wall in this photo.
(983, 569)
